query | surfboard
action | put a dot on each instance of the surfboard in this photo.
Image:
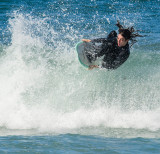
(85, 50)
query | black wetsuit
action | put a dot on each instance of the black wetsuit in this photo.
(114, 56)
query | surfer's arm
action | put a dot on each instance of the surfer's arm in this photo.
(100, 40)
(111, 35)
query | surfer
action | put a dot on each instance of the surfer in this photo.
(115, 49)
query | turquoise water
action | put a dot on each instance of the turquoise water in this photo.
(77, 144)
(50, 103)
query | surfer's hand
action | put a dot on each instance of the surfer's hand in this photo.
(86, 40)
(92, 67)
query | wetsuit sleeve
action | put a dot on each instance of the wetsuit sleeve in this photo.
(100, 40)
(111, 35)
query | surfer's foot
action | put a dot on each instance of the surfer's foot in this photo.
(92, 67)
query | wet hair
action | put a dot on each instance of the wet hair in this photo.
(128, 33)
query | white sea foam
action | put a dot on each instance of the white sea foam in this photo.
(44, 88)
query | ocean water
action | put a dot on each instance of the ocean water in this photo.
(50, 103)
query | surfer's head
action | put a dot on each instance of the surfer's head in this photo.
(126, 34)
(122, 40)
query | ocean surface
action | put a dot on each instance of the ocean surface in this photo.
(50, 103)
